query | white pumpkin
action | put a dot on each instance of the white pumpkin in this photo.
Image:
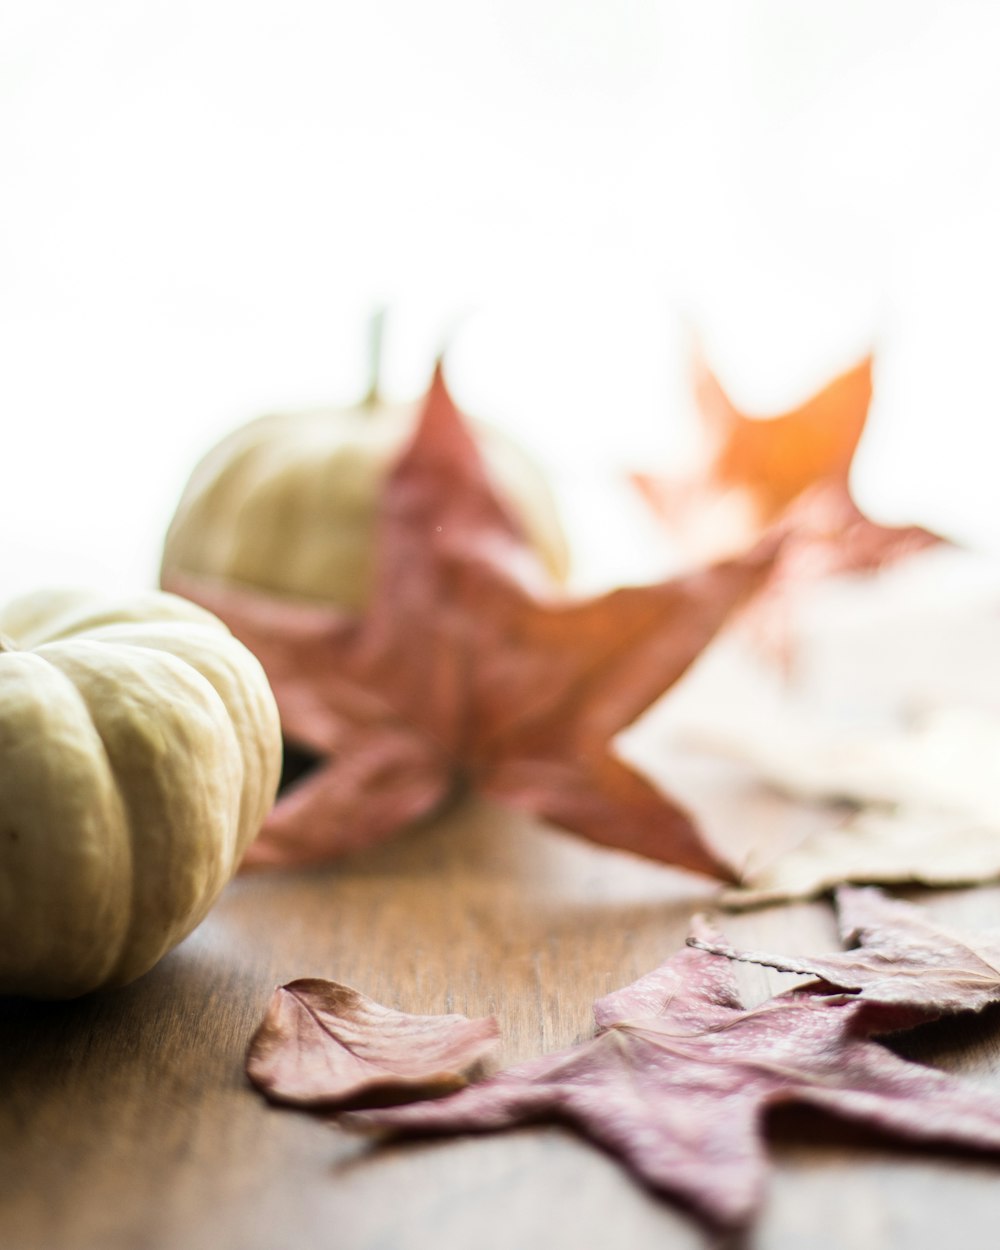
(288, 503)
(139, 754)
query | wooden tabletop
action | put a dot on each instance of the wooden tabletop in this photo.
(126, 1121)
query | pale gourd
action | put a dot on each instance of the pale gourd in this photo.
(139, 754)
(288, 503)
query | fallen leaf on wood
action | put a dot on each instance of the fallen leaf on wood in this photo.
(926, 799)
(680, 1073)
(904, 957)
(466, 669)
(912, 848)
(795, 466)
(324, 1045)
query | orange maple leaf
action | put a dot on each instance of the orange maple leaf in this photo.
(794, 466)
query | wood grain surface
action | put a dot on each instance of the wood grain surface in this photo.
(126, 1121)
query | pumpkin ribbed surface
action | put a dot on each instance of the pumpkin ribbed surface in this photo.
(139, 755)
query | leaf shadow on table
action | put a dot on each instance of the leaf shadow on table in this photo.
(474, 837)
(482, 912)
(498, 1175)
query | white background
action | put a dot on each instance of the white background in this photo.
(200, 203)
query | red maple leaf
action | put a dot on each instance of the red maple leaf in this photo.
(465, 668)
(679, 1075)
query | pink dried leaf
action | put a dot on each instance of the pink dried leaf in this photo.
(677, 1080)
(904, 956)
(324, 1045)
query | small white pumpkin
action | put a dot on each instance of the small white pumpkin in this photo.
(139, 754)
(288, 503)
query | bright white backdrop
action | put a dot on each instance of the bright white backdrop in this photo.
(201, 201)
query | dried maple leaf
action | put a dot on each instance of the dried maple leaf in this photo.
(891, 848)
(830, 534)
(324, 1045)
(928, 807)
(795, 466)
(680, 1073)
(772, 460)
(904, 957)
(463, 668)
(946, 759)
(779, 457)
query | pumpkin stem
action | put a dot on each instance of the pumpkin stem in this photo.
(376, 325)
(7, 644)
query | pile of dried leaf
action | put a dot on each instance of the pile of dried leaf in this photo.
(679, 1072)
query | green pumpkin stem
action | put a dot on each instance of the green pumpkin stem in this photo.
(376, 326)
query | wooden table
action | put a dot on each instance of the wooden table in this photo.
(126, 1122)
